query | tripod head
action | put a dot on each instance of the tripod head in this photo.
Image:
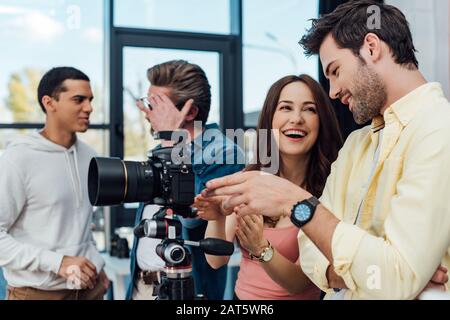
(177, 282)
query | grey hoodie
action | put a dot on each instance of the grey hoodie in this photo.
(45, 212)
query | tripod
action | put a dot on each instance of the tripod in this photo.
(177, 282)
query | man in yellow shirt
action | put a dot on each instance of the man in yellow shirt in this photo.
(381, 229)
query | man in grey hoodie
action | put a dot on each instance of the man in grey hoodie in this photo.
(46, 244)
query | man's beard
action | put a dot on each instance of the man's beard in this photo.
(369, 94)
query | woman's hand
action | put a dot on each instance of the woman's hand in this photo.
(225, 209)
(209, 209)
(250, 233)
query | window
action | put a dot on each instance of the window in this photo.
(202, 16)
(271, 32)
(41, 35)
(430, 28)
(136, 62)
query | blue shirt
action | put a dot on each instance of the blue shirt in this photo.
(211, 152)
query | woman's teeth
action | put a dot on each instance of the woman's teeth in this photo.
(296, 134)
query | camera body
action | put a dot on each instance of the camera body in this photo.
(176, 180)
(159, 180)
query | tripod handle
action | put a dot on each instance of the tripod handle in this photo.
(139, 230)
(217, 247)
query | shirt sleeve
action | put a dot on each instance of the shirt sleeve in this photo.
(313, 263)
(401, 263)
(15, 255)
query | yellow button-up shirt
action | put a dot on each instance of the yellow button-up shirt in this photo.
(403, 231)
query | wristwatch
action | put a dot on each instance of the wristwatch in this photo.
(303, 212)
(266, 254)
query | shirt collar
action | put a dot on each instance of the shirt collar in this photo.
(377, 124)
(198, 141)
(404, 109)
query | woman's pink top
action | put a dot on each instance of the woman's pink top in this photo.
(254, 283)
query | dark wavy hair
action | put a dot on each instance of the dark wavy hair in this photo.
(329, 140)
(348, 25)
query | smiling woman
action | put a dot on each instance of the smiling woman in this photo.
(298, 113)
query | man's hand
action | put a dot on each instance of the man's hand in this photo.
(437, 282)
(103, 278)
(164, 115)
(256, 192)
(334, 281)
(78, 269)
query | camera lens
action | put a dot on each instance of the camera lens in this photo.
(112, 181)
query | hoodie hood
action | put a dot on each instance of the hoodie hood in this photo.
(36, 141)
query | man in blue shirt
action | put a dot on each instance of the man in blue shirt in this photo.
(178, 97)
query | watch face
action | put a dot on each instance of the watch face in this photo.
(268, 255)
(302, 212)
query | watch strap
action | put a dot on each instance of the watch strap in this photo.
(313, 201)
(261, 257)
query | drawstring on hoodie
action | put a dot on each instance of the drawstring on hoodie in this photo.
(77, 171)
(78, 191)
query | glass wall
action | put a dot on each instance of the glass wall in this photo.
(204, 16)
(271, 31)
(37, 35)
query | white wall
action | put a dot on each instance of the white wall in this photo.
(429, 21)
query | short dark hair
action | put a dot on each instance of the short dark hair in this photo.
(348, 25)
(51, 83)
(187, 81)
